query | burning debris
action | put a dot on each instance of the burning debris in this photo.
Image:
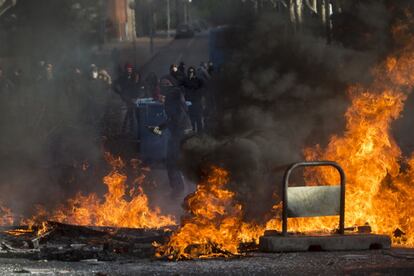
(379, 194)
(214, 224)
(75, 243)
(90, 228)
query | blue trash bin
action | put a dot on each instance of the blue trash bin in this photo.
(152, 148)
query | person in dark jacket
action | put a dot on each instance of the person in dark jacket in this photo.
(194, 94)
(176, 75)
(128, 87)
(181, 70)
(179, 125)
(152, 86)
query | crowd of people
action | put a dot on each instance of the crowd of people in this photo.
(88, 102)
(184, 94)
(73, 95)
(88, 92)
(192, 82)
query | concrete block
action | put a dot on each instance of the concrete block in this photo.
(278, 243)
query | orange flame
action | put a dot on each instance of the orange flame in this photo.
(378, 192)
(214, 224)
(121, 207)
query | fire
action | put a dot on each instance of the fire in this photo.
(120, 207)
(379, 192)
(214, 225)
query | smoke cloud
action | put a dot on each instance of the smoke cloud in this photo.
(49, 149)
(281, 92)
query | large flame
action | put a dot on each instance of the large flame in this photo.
(214, 225)
(121, 206)
(378, 191)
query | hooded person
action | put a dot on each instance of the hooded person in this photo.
(124, 85)
(96, 95)
(194, 93)
(177, 76)
(181, 69)
(173, 74)
(179, 125)
(127, 86)
(202, 72)
(152, 86)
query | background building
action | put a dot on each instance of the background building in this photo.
(120, 21)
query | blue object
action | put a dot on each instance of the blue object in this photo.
(153, 148)
(145, 101)
(151, 101)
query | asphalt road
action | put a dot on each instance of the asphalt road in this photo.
(374, 262)
(191, 51)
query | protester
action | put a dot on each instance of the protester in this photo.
(174, 74)
(131, 87)
(194, 94)
(97, 95)
(152, 86)
(179, 125)
(177, 76)
(202, 72)
(181, 70)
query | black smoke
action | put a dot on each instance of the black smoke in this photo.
(283, 91)
(49, 149)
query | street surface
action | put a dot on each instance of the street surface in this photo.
(375, 262)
